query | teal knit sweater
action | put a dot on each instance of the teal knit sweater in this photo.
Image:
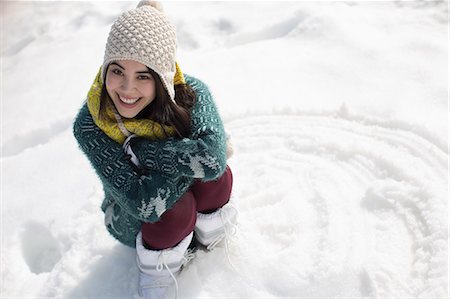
(133, 197)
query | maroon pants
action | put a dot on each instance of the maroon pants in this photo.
(178, 222)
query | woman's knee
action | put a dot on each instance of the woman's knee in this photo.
(175, 224)
(214, 194)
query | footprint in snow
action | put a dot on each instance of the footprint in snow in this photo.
(40, 249)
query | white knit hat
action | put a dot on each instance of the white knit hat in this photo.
(145, 35)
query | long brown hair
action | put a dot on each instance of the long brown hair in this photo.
(162, 109)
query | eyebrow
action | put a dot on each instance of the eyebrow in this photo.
(142, 72)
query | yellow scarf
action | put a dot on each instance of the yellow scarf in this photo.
(146, 128)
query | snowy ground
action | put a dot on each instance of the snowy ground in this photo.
(339, 112)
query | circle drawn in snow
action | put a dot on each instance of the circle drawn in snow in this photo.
(329, 195)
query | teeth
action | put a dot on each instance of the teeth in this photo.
(128, 101)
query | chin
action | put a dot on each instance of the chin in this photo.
(128, 115)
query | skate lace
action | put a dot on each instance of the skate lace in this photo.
(230, 230)
(188, 256)
(162, 263)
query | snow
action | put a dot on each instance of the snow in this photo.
(339, 116)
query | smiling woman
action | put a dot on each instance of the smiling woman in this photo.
(130, 86)
(136, 91)
(157, 142)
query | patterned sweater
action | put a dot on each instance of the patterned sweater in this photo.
(172, 164)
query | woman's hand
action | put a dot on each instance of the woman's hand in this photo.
(230, 148)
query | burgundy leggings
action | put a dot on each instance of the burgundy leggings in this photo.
(178, 222)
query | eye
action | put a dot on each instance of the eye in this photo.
(144, 77)
(116, 72)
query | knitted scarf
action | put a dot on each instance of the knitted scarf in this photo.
(118, 128)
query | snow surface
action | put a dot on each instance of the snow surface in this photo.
(339, 114)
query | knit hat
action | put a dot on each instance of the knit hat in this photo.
(144, 34)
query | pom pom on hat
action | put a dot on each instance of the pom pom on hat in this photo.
(155, 4)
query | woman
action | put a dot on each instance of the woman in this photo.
(157, 142)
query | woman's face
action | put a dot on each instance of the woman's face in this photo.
(130, 86)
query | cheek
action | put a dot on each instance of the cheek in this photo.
(111, 83)
(149, 90)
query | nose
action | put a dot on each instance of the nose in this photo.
(127, 84)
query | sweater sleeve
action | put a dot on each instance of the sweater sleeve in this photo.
(201, 156)
(143, 196)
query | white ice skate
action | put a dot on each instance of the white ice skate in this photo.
(158, 269)
(211, 229)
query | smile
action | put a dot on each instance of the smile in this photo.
(128, 101)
